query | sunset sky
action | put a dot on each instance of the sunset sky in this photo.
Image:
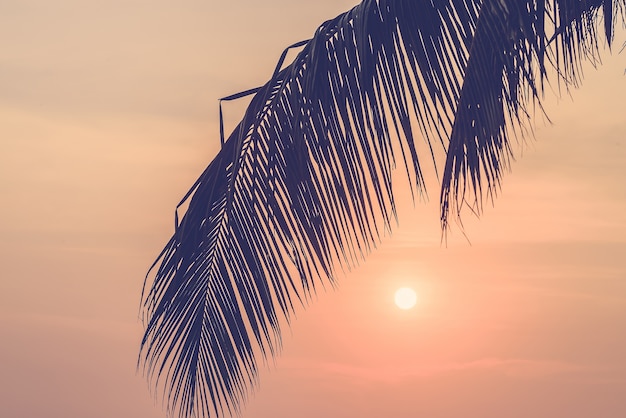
(108, 113)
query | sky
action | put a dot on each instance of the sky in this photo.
(108, 113)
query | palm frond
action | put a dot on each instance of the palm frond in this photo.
(513, 44)
(303, 186)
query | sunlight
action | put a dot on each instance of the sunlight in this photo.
(405, 298)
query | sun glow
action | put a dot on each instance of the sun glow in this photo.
(405, 298)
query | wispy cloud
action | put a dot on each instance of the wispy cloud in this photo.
(512, 367)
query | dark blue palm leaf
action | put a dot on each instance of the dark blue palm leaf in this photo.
(303, 186)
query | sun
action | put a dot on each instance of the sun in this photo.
(405, 298)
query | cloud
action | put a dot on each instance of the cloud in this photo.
(512, 367)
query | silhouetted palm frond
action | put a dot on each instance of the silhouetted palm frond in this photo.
(303, 186)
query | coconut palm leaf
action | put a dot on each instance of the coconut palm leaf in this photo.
(513, 43)
(303, 189)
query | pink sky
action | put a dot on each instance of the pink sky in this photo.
(108, 113)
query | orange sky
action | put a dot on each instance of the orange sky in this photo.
(108, 113)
